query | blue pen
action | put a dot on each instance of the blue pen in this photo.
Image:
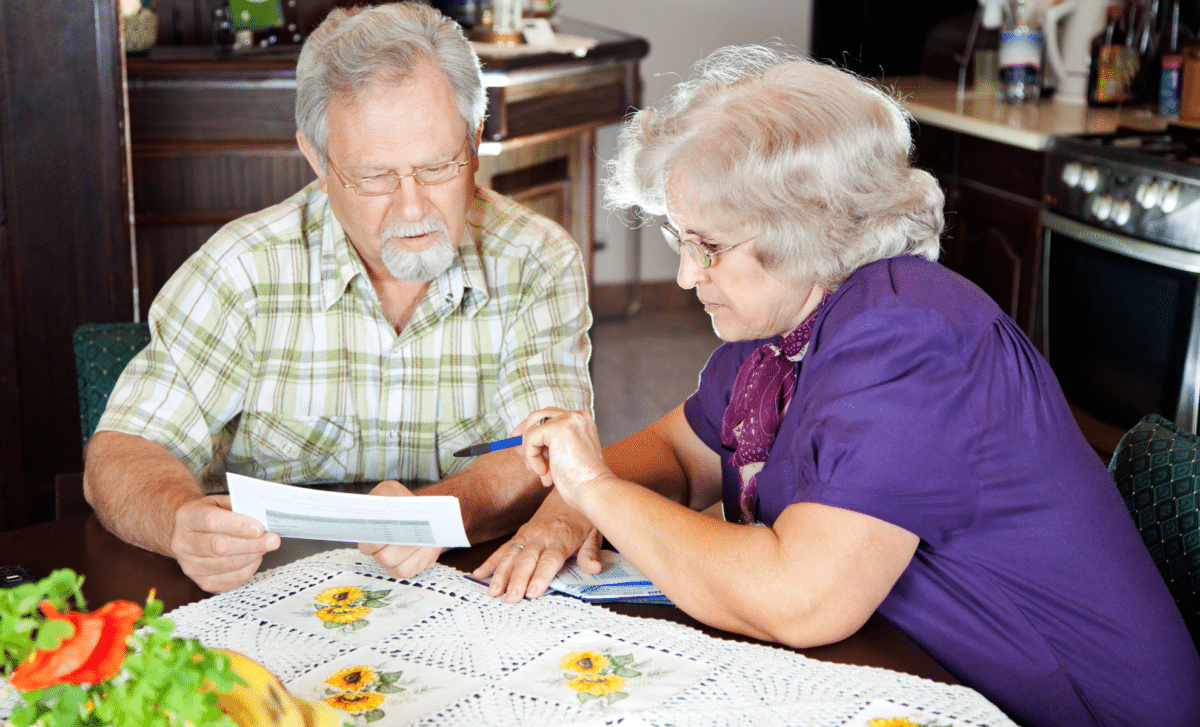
(477, 449)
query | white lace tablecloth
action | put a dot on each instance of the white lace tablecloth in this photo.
(450, 655)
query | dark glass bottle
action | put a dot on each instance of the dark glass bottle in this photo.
(1114, 63)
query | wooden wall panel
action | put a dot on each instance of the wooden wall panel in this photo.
(222, 181)
(66, 252)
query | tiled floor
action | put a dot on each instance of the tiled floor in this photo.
(645, 366)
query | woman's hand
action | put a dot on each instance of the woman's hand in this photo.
(563, 449)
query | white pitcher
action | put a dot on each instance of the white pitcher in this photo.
(1081, 21)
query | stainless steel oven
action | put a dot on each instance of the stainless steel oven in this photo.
(1120, 296)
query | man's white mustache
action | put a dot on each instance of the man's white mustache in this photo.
(413, 229)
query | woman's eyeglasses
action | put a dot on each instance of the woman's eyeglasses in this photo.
(700, 252)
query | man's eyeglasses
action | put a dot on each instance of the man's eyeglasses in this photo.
(700, 252)
(387, 183)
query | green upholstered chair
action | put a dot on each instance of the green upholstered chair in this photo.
(1157, 470)
(101, 352)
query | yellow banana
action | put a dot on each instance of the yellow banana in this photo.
(265, 702)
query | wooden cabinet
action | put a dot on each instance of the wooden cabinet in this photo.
(993, 208)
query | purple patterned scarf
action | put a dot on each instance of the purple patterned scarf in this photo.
(761, 393)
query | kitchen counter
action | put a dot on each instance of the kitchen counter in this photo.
(1028, 126)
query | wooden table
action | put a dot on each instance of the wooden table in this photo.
(114, 570)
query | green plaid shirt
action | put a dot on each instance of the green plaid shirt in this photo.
(271, 355)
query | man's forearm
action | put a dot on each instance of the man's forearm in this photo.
(497, 494)
(135, 486)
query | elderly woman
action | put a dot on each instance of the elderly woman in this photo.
(881, 436)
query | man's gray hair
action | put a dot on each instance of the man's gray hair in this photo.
(356, 48)
(813, 158)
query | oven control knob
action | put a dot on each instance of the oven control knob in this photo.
(1071, 172)
(1102, 206)
(1149, 193)
(1170, 198)
(1089, 179)
(1121, 212)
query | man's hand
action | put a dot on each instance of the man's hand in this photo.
(216, 547)
(400, 561)
(525, 565)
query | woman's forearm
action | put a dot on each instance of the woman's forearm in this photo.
(813, 578)
(698, 562)
(668, 458)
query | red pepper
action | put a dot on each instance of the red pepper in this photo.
(92, 654)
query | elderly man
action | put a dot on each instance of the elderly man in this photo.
(383, 317)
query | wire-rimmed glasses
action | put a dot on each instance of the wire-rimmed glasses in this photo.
(701, 255)
(389, 181)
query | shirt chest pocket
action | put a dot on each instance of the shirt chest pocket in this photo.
(295, 449)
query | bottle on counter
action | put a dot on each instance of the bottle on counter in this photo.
(1020, 54)
(1149, 17)
(986, 81)
(1114, 62)
(1171, 73)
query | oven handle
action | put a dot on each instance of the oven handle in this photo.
(1151, 252)
(1187, 414)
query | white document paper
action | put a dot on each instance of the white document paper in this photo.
(618, 580)
(294, 511)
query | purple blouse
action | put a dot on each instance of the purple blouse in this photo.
(920, 403)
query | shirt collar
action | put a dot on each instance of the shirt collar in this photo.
(463, 281)
(464, 284)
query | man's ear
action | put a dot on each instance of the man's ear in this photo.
(314, 160)
(474, 160)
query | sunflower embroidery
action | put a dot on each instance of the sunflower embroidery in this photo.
(361, 690)
(341, 596)
(901, 722)
(347, 607)
(598, 685)
(356, 702)
(352, 678)
(597, 676)
(584, 662)
(337, 615)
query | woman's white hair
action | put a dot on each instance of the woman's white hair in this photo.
(813, 158)
(356, 48)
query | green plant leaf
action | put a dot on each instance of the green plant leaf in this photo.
(585, 697)
(389, 689)
(362, 623)
(374, 715)
(374, 595)
(153, 609)
(627, 673)
(614, 697)
(51, 634)
(621, 660)
(390, 677)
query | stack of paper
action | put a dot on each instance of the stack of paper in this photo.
(618, 580)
